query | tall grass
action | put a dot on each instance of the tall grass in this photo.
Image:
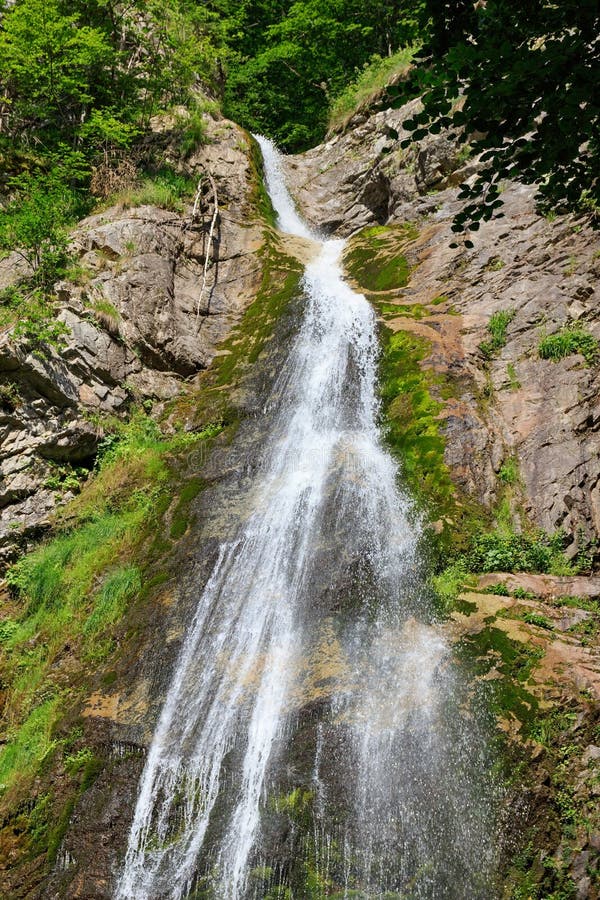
(367, 85)
(166, 189)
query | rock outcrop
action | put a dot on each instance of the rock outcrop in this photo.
(540, 273)
(142, 321)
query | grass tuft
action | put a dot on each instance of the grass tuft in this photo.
(497, 326)
(570, 339)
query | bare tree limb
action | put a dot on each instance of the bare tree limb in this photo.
(211, 232)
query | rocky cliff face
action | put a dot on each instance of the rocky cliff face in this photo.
(538, 274)
(140, 327)
(515, 429)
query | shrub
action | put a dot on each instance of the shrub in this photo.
(508, 552)
(570, 339)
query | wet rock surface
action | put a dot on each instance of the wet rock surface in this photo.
(537, 660)
(141, 324)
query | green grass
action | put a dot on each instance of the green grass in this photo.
(73, 590)
(570, 339)
(367, 85)
(448, 583)
(514, 383)
(28, 746)
(497, 326)
(193, 132)
(509, 471)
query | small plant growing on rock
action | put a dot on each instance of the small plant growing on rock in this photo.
(9, 396)
(499, 590)
(570, 339)
(509, 471)
(515, 384)
(532, 618)
(497, 326)
(521, 594)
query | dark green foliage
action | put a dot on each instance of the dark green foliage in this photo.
(294, 58)
(530, 102)
(508, 552)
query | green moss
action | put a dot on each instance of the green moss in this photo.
(409, 310)
(375, 260)
(513, 662)
(412, 428)
(180, 520)
(260, 199)
(280, 284)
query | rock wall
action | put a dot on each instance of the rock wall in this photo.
(542, 272)
(140, 327)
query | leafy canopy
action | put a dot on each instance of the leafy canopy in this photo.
(291, 59)
(520, 80)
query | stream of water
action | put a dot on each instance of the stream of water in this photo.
(395, 810)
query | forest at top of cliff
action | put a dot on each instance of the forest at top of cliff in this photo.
(80, 81)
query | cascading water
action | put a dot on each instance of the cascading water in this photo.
(325, 497)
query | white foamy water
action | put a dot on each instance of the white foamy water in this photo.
(225, 712)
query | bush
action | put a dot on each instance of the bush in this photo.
(507, 552)
(34, 223)
(570, 339)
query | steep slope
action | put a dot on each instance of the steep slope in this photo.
(142, 320)
(533, 276)
(494, 439)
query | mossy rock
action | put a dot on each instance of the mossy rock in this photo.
(375, 259)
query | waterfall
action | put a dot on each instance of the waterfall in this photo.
(325, 498)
